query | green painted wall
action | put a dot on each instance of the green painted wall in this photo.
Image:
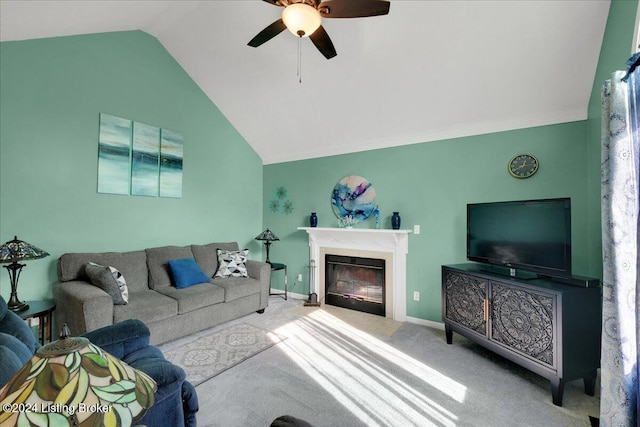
(615, 50)
(430, 185)
(52, 91)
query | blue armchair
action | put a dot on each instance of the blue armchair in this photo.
(176, 402)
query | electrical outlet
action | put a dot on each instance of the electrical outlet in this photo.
(299, 277)
(416, 296)
(416, 229)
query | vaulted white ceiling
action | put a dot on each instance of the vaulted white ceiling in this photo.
(429, 70)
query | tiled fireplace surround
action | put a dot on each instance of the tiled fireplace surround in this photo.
(390, 245)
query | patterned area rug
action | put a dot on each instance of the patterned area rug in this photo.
(210, 355)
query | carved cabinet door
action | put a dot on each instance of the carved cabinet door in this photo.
(465, 297)
(523, 320)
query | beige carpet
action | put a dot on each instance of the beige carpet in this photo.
(209, 355)
(369, 323)
(330, 373)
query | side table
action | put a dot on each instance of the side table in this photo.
(43, 310)
(275, 267)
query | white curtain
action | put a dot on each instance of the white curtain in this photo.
(621, 291)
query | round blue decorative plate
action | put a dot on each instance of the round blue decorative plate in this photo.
(354, 197)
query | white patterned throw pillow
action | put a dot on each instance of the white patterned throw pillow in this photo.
(232, 263)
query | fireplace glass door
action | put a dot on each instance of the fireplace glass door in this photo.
(355, 283)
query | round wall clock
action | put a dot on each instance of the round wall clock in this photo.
(523, 166)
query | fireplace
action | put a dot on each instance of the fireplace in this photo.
(389, 245)
(355, 283)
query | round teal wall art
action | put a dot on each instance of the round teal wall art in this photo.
(354, 197)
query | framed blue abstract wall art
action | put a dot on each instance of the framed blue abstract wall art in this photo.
(114, 155)
(139, 159)
(145, 162)
(353, 197)
(171, 154)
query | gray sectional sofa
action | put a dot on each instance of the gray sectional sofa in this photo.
(169, 312)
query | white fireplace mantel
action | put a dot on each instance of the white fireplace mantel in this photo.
(395, 243)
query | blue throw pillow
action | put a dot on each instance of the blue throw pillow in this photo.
(187, 272)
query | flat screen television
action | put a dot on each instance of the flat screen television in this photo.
(531, 235)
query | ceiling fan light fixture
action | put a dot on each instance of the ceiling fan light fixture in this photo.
(301, 19)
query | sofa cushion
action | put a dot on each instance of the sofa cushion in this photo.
(12, 324)
(158, 262)
(16, 346)
(207, 256)
(110, 280)
(121, 338)
(147, 306)
(237, 287)
(186, 272)
(132, 265)
(232, 263)
(194, 297)
(15, 353)
(11, 364)
(151, 361)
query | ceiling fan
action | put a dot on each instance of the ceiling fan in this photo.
(303, 18)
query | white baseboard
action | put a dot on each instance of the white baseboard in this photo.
(428, 323)
(294, 295)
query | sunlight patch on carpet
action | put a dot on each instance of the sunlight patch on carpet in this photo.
(212, 354)
(370, 378)
(369, 323)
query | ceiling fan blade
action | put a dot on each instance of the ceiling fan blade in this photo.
(273, 2)
(268, 33)
(321, 40)
(353, 8)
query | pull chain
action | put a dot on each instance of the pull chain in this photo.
(300, 59)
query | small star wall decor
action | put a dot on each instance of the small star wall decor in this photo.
(281, 192)
(278, 204)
